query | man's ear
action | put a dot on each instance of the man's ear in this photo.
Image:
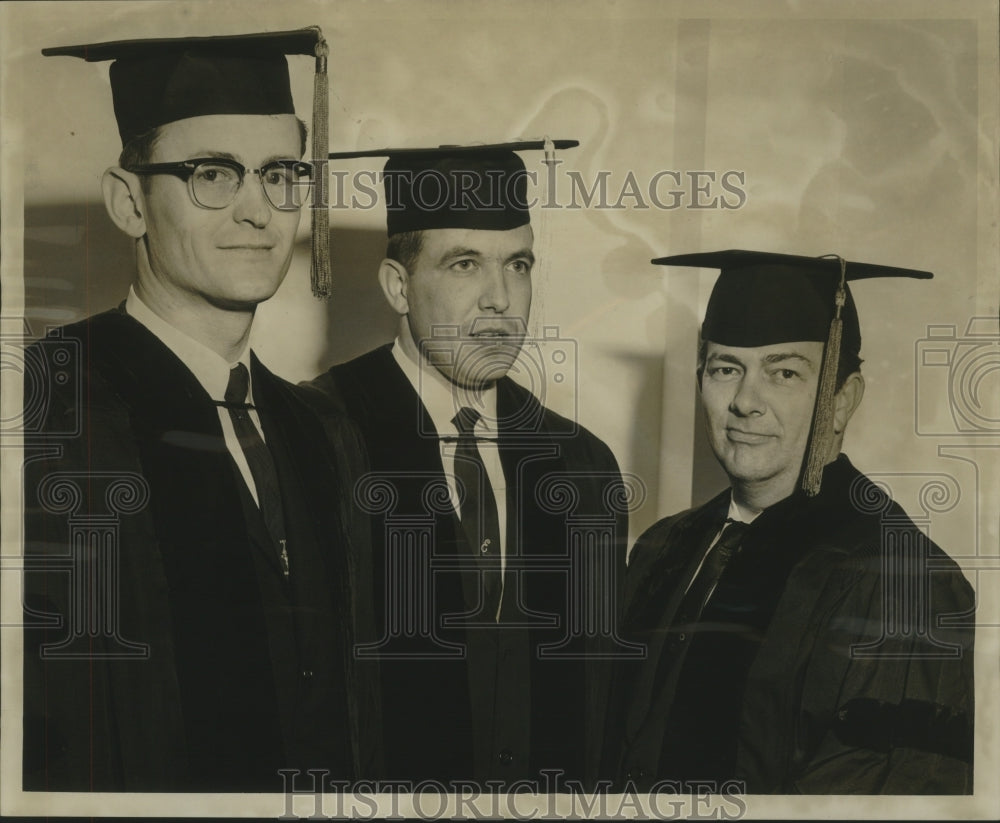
(123, 200)
(847, 400)
(394, 280)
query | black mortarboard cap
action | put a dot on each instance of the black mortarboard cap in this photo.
(457, 187)
(764, 298)
(157, 81)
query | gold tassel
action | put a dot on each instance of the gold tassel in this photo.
(320, 276)
(822, 427)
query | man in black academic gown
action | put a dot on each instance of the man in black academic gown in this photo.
(498, 523)
(804, 636)
(189, 538)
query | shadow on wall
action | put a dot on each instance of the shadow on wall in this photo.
(645, 447)
(76, 263)
(707, 476)
(642, 444)
(358, 318)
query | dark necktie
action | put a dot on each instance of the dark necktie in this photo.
(711, 570)
(478, 508)
(259, 459)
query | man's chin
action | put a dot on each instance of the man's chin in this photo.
(477, 382)
(745, 464)
(237, 304)
(759, 474)
(485, 374)
(245, 299)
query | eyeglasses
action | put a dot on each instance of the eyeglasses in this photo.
(213, 182)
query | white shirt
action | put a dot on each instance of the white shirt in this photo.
(210, 369)
(736, 513)
(442, 403)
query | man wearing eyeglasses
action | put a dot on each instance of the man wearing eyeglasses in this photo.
(204, 643)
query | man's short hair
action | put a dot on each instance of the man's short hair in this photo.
(849, 363)
(404, 247)
(139, 150)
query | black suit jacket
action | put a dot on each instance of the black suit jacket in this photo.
(165, 650)
(501, 701)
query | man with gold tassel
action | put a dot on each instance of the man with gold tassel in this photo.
(803, 636)
(203, 640)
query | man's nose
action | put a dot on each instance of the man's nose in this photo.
(748, 399)
(251, 204)
(495, 295)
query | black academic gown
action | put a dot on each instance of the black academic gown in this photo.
(489, 703)
(165, 648)
(809, 671)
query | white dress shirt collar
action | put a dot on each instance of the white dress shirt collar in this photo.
(441, 399)
(739, 513)
(210, 369)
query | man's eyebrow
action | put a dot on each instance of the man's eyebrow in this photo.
(225, 155)
(463, 251)
(275, 157)
(726, 357)
(460, 251)
(780, 357)
(523, 254)
(222, 155)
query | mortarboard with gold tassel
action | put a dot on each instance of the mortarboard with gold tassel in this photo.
(160, 80)
(765, 298)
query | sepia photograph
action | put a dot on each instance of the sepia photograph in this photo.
(500, 409)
